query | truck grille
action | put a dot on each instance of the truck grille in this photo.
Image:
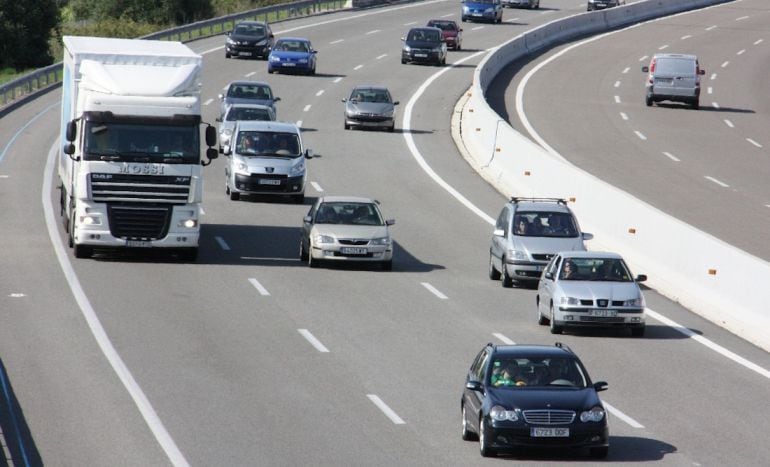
(139, 222)
(549, 417)
(171, 189)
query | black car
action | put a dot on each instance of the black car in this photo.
(424, 45)
(249, 39)
(519, 396)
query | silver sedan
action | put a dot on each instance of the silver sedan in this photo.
(590, 289)
(346, 228)
(370, 107)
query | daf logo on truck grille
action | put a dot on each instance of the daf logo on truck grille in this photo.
(143, 169)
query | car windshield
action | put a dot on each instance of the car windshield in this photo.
(544, 224)
(250, 91)
(595, 269)
(518, 373)
(424, 35)
(370, 95)
(680, 66)
(247, 113)
(348, 213)
(250, 30)
(267, 144)
(443, 25)
(292, 46)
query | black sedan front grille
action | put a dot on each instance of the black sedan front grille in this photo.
(549, 417)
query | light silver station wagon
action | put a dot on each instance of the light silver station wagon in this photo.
(673, 77)
(528, 232)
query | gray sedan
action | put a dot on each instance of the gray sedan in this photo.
(346, 228)
(590, 289)
(247, 92)
(370, 106)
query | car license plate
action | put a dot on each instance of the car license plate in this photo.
(289, 64)
(421, 55)
(269, 181)
(549, 432)
(477, 14)
(245, 54)
(346, 250)
(138, 244)
(603, 313)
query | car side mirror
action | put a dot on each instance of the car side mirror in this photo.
(588, 236)
(390, 221)
(218, 119)
(473, 386)
(344, 100)
(403, 38)
(276, 99)
(308, 153)
(600, 386)
(641, 278)
(645, 69)
(225, 149)
(396, 103)
(307, 219)
(548, 275)
(702, 72)
(498, 233)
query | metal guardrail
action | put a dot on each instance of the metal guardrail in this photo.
(26, 87)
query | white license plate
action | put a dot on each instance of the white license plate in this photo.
(289, 64)
(421, 55)
(138, 244)
(346, 250)
(549, 432)
(478, 14)
(603, 313)
(245, 54)
(269, 181)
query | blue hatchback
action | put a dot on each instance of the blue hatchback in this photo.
(482, 10)
(292, 54)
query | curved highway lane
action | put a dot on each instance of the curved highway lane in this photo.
(249, 357)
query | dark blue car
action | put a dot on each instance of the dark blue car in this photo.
(292, 54)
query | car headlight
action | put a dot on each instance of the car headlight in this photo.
(303, 60)
(637, 302)
(381, 241)
(273, 58)
(499, 413)
(570, 301)
(596, 414)
(230, 41)
(466, 9)
(262, 42)
(241, 167)
(489, 10)
(297, 169)
(226, 132)
(517, 254)
(324, 239)
(407, 48)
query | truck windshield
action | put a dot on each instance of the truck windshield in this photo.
(131, 142)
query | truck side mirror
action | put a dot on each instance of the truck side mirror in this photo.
(72, 129)
(211, 154)
(69, 149)
(211, 136)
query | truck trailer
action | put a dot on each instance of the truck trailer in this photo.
(130, 159)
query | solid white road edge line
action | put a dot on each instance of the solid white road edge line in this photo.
(621, 415)
(386, 410)
(100, 335)
(262, 291)
(313, 341)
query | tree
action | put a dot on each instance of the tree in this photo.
(160, 12)
(25, 28)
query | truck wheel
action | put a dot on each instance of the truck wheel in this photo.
(83, 251)
(71, 230)
(189, 255)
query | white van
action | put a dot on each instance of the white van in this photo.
(673, 77)
(266, 158)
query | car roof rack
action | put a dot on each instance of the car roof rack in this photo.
(519, 199)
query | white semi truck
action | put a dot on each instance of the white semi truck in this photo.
(130, 163)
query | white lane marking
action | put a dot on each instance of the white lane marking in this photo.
(337, 41)
(447, 15)
(640, 135)
(753, 142)
(758, 41)
(741, 52)
(203, 213)
(503, 339)
(317, 187)
(222, 243)
(4, 176)
(149, 415)
(410, 23)
(724, 65)
(720, 183)
(307, 108)
(380, 57)
(262, 291)
(708, 343)
(710, 90)
(385, 409)
(406, 124)
(663, 47)
(684, 38)
(623, 116)
(373, 31)
(299, 123)
(671, 156)
(477, 28)
(617, 99)
(249, 75)
(337, 79)
(710, 28)
(622, 416)
(645, 57)
(729, 123)
(434, 291)
(741, 18)
(313, 341)
(715, 105)
(208, 101)
(319, 93)
(617, 84)
(626, 70)
(358, 67)
(713, 76)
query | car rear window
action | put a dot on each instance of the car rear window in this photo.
(675, 65)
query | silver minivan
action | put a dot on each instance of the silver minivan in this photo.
(266, 158)
(673, 77)
(528, 233)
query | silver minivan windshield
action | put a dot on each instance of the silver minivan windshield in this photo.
(268, 144)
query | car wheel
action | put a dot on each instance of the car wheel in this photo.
(696, 104)
(312, 262)
(506, 280)
(494, 274)
(347, 127)
(403, 62)
(541, 320)
(555, 329)
(638, 332)
(648, 100)
(468, 435)
(600, 453)
(463, 19)
(302, 252)
(459, 46)
(227, 55)
(387, 265)
(484, 448)
(392, 128)
(234, 196)
(270, 71)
